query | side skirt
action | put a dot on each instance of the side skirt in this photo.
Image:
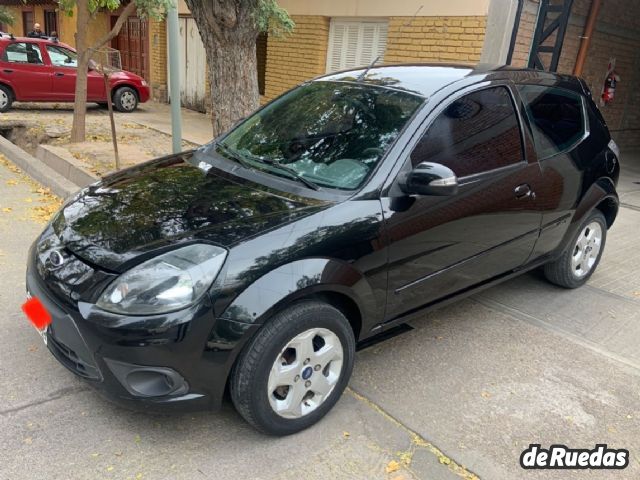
(415, 314)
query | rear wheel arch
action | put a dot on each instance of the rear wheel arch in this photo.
(10, 93)
(10, 88)
(609, 208)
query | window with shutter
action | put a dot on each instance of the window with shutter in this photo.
(355, 43)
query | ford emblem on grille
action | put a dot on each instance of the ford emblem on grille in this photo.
(56, 260)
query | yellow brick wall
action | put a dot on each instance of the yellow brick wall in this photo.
(158, 59)
(16, 28)
(97, 27)
(67, 28)
(435, 39)
(297, 57)
(16, 11)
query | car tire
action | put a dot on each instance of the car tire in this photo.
(6, 98)
(580, 259)
(310, 345)
(125, 99)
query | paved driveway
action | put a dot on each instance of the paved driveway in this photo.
(471, 385)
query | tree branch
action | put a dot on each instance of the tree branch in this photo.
(128, 10)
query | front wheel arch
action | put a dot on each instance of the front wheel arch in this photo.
(338, 282)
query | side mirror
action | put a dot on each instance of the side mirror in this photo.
(429, 179)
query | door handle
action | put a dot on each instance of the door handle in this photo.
(59, 74)
(7, 70)
(524, 191)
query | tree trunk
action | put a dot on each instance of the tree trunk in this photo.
(80, 103)
(229, 34)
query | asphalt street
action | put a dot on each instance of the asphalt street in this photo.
(462, 394)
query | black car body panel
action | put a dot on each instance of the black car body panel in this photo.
(159, 203)
(377, 254)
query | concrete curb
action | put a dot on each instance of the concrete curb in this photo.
(65, 164)
(37, 170)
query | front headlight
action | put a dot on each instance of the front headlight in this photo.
(165, 283)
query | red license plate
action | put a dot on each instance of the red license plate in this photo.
(36, 313)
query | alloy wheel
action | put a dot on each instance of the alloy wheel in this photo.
(586, 249)
(305, 373)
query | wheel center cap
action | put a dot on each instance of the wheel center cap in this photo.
(306, 373)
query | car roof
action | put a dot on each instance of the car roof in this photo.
(6, 38)
(425, 79)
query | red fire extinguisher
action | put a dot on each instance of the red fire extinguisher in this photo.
(610, 82)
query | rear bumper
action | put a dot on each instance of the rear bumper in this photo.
(184, 367)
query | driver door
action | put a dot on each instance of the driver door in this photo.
(65, 73)
(440, 245)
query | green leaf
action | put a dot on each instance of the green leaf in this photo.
(272, 18)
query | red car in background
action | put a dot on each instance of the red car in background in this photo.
(45, 70)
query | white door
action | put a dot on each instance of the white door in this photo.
(192, 66)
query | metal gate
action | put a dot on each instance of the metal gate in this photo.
(548, 38)
(132, 41)
(192, 66)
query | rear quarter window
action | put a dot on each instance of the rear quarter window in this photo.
(556, 116)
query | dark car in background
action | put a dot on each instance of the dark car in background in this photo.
(45, 70)
(351, 204)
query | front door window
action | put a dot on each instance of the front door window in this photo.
(474, 134)
(62, 57)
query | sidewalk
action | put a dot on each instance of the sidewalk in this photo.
(196, 126)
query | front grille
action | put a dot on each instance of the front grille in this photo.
(70, 359)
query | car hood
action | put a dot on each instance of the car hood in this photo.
(137, 213)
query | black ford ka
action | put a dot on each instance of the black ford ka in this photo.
(351, 204)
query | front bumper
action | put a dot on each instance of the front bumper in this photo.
(144, 92)
(128, 359)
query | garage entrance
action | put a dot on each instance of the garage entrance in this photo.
(133, 43)
(193, 64)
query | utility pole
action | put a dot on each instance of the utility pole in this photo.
(174, 78)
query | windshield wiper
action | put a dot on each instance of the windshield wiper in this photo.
(233, 154)
(237, 156)
(291, 171)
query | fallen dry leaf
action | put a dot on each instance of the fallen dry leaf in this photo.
(392, 466)
(12, 182)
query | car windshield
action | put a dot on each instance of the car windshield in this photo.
(330, 134)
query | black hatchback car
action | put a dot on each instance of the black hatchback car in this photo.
(255, 264)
